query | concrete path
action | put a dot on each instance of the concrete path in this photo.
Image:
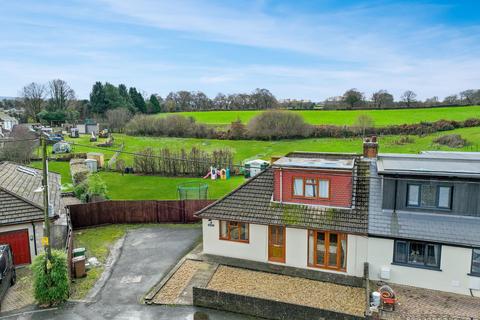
(147, 255)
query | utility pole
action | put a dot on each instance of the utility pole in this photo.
(46, 223)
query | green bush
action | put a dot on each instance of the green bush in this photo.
(51, 287)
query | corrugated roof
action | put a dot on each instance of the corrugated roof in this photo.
(429, 164)
(252, 203)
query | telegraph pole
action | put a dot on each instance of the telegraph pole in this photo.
(46, 223)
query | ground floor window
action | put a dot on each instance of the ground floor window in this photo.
(476, 262)
(417, 253)
(327, 250)
(234, 231)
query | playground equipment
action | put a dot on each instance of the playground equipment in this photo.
(192, 191)
(214, 173)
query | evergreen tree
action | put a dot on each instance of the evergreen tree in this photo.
(154, 104)
(123, 91)
(97, 98)
(138, 100)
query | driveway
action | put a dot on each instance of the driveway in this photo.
(147, 255)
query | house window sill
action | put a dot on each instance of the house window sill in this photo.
(474, 275)
(416, 266)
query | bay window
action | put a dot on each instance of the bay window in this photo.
(327, 250)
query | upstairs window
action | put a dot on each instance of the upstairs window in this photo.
(429, 196)
(311, 188)
(234, 231)
(417, 254)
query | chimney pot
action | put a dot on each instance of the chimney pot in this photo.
(370, 147)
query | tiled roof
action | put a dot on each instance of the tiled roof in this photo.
(442, 228)
(252, 203)
(19, 185)
(14, 210)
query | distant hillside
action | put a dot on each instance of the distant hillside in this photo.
(7, 98)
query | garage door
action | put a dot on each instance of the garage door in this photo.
(20, 244)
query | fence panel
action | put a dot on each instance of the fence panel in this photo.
(148, 211)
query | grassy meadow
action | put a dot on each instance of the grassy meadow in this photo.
(155, 187)
(345, 117)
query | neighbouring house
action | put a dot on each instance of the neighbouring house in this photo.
(88, 126)
(424, 222)
(308, 210)
(415, 219)
(7, 122)
(21, 209)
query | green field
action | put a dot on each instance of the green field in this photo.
(155, 187)
(344, 117)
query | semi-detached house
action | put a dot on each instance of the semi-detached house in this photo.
(415, 219)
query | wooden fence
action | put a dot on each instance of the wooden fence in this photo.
(144, 211)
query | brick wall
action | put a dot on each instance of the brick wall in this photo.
(340, 186)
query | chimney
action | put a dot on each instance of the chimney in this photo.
(370, 147)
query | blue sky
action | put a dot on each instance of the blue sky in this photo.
(297, 49)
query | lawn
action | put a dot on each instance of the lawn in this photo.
(344, 117)
(138, 187)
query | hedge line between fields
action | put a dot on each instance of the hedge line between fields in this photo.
(280, 125)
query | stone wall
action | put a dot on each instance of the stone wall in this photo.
(264, 308)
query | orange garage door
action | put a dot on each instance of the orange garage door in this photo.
(20, 244)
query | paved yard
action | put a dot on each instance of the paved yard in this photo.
(21, 294)
(288, 289)
(413, 302)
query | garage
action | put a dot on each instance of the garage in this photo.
(20, 244)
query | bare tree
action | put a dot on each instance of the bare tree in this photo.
(33, 95)
(364, 122)
(60, 95)
(21, 146)
(118, 118)
(409, 97)
(453, 99)
(382, 98)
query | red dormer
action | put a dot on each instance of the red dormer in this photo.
(314, 181)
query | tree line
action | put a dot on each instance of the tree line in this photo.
(56, 102)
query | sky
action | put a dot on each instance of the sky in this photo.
(299, 49)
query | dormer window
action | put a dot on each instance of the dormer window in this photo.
(311, 188)
(429, 196)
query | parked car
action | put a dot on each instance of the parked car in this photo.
(8, 275)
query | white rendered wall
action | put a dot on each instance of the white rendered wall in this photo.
(455, 265)
(296, 251)
(255, 250)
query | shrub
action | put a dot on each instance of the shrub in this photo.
(118, 118)
(51, 287)
(451, 140)
(270, 125)
(78, 170)
(92, 187)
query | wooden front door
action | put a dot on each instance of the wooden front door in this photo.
(276, 243)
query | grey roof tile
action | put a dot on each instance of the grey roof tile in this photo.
(252, 203)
